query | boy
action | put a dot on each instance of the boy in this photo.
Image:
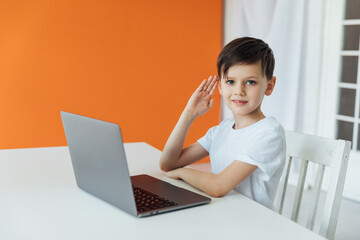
(247, 153)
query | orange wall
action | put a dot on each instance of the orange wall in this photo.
(134, 63)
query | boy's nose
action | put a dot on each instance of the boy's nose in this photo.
(240, 91)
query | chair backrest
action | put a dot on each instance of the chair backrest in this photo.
(326, 153)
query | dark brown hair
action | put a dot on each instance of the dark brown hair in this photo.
(246, 50)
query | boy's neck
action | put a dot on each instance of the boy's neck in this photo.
(247, 120)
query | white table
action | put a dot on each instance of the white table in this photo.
(39, 200)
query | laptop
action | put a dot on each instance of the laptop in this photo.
(99, 162)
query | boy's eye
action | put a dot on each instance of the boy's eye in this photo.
(230, 82)
(250, 82)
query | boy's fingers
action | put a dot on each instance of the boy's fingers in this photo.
(207, 85)
(200, 88)
(213, 83)
(210, 83)
(212, 91)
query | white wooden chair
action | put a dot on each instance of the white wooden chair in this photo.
(326, 153)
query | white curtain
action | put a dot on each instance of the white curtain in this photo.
(294, 31)
(279, 23)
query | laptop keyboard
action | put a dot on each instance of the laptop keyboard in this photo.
(146, 201)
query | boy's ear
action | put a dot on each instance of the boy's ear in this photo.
(270, 86)
(219, 87)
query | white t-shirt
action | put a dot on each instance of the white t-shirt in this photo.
(261, 144)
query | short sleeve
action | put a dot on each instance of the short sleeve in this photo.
(206, 140)
(267, 152)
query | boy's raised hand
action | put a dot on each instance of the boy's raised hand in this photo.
(201, 100)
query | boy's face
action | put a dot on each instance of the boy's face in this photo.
(244, 88)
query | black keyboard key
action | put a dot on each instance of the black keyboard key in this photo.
(146, 201)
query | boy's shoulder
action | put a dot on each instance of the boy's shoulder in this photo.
(268, 126)
(268, 129)
(270, 123)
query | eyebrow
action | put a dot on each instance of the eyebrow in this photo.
(229, 77)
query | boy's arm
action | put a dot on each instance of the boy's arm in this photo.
(174, 155)
(216, 185)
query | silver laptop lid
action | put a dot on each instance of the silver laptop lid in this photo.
(99, 161)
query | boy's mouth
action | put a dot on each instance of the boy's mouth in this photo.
(239, 102)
